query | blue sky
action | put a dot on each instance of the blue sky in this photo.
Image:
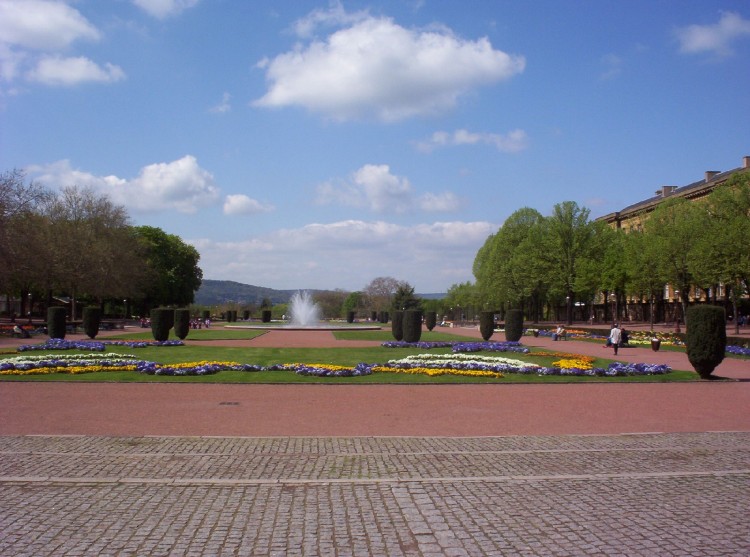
(301, 144)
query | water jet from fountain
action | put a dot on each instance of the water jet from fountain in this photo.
(303, 311)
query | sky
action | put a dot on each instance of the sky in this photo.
(322, 144)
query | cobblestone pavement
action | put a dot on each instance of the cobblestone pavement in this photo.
(646, 494)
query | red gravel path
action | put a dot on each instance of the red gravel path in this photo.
(382, 410)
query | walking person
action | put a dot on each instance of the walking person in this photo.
(615, 336)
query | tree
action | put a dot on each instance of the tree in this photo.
(675, 228)
(380, 292)
(353, 302)
(92, 250)
(405, 299)
(721, 254)
(22, 234)
(503, 268)
(570, 240)
(172, 266)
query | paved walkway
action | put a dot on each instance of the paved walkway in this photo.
(166, 469)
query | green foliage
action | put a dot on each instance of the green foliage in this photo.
(350, 316)
(706, 338)
(430, 320)
(487, 324)
(397, 325)
(404, 298)
(266, 316)
(412, 328)
(181, 323)
(162, 320)
(383, 316)
(172, 265)
(513, 325)
(92, 317)
(56, 322)
(206, 314)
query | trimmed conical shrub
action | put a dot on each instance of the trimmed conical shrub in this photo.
(350, 317)
(92, 318)
(181, 323)
(161, 322)
(56, 322)
(412, 325)
(513, 325)
(397, 325)
(430, 320)
(706, 339)
(487, 324)
(266, 316)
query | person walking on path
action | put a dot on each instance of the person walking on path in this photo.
(615, 336)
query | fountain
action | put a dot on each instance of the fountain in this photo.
(304, 312)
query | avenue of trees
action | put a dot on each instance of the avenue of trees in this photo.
(566, 260)
(79, 246)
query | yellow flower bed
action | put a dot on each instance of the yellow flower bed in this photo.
(72, 370)
(438, 371)
(578, 363)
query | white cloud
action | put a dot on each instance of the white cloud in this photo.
(334, 16)
(43, 24)
(714, 38)
(55, 70)
(353, 252)
(377, 68)
(224, 105)
(31, 27)
(162, 9)
(240, 204)
(374, 187)
(511, 142)
(180, 185)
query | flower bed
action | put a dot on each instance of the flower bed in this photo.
(99, 345)
(469, 365)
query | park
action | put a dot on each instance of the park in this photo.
(411, 465)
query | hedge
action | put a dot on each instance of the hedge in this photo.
(56, 322)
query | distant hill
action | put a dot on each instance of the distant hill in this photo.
(217, 292)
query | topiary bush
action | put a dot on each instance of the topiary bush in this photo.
(56, 322)
(513, 325)
(266, 316)
(206, 315)
(92, 317)
(397, 325)
(161, 321)
(412, 327)
(706, 339)
(487, 324)
(350, 317)
(430, 320)
(181, 323)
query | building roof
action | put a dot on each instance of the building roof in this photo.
(691, 191)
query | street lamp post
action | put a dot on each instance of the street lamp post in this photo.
(613, 298)
(29, 308)
(677, 311)
(568, 316)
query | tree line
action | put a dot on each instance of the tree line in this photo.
(75, 244)
(537, 262)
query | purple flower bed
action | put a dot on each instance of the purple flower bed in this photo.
(615, 369)
(461, 346)
(738, 350)
(94, 345)
(490, 347)
(420, 344)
